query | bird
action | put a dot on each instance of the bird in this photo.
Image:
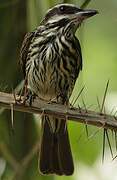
(51, 59)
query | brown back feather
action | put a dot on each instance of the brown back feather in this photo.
(24, 50)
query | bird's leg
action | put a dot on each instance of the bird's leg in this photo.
(23, 90)
(62, 98)
(31, 98)
(54, 100)
(26, 94)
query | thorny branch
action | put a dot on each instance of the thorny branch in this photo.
(104, 121)
(74, 114)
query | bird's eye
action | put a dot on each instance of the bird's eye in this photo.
(62, 8)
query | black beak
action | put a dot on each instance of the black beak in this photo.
(87, 13)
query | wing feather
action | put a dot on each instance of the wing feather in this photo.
(79, 62)
(24, 50)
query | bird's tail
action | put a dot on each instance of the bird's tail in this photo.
(55, 152)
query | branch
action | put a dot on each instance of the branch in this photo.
(61, 111)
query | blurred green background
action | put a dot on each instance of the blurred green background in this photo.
(98, 37)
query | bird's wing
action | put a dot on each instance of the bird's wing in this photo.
(24, 50)
(79, 53)
(78, 67)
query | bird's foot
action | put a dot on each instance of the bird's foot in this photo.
(52, 101)
(71, 106)
(31, 97)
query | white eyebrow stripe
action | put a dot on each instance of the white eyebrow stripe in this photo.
(65, 4)
(59, 5)
(56, 18)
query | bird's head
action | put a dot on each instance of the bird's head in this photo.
(67, 16)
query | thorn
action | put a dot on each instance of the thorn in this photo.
(12, 116)
(112, 133)
(78, 95)
(112, 111)
(90, 106)
(98, 102)
(81, 133)
(93, 134)
(84, 104)
(13, 92)
(104, 97)
(104, 110)
(79, 107)
(86, 128)
(116, 140)
(42, 115)
(24, 86)
(114, 158)
(72, 100)
(115, 113)
(109, 143)
(103, 145)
